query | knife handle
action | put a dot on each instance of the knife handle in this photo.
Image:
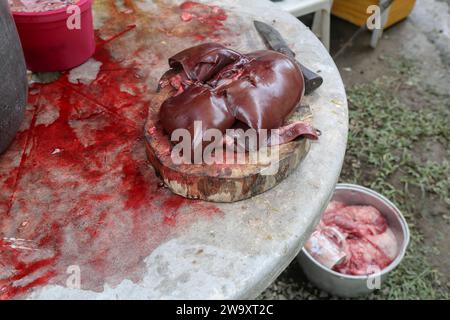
(312, 79)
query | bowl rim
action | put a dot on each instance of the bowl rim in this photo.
(403, 247)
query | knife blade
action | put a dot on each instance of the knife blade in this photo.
(274, 41)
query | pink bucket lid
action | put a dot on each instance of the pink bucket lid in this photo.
(49, 16)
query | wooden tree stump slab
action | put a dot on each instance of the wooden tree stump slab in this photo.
(222, 182)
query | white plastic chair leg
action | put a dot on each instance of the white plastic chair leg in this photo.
(321, 26)
(326, 29)
(378, 33)
(317, 23)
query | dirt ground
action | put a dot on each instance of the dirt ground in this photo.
(400, 91)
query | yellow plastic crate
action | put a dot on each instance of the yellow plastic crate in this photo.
(354, 11)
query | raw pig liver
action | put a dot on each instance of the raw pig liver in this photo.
(224, 88)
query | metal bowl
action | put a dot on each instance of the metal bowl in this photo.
(349, 286)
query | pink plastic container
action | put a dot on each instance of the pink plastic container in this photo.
(49, 45)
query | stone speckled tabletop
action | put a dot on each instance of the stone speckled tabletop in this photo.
(78, 194)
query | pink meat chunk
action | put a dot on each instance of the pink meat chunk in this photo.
(357, 220)
(333, 206)
(362, 257)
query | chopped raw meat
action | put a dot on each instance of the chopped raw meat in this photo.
(386, 242)
(357, 220)
(333, 206)
(366, 243)
(362, 257)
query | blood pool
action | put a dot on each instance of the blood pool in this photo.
(39, 5)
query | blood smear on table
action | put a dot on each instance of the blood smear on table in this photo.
(76, 187)
(39, 5)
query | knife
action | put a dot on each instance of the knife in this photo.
(273, 40)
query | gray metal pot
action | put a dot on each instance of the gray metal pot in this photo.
(13, 78)
(353, 286)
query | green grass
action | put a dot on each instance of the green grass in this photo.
(383, 138)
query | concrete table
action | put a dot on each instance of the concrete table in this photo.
(83, 214)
